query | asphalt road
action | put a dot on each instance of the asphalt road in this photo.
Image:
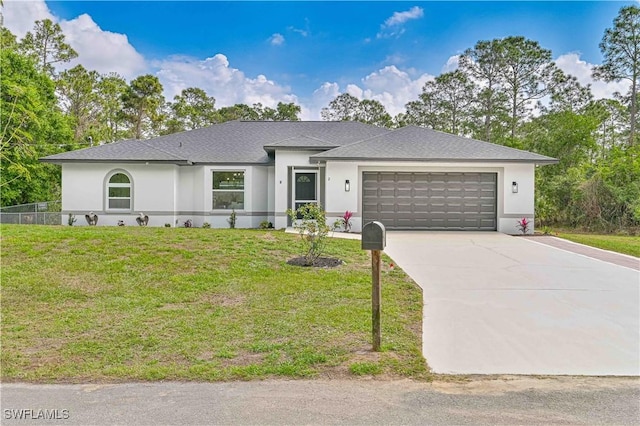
(504, 400)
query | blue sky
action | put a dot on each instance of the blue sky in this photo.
(308, 52)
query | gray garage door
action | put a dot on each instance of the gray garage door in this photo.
(430, 201)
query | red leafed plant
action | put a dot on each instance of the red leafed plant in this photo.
(346, 220)
(523, 225)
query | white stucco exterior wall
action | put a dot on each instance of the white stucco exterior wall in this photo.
(521, 204)
(168, 194)
(271, 194)
(153, 191)
(337, 200)
(173, 194)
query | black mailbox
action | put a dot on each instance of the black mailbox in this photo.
(374, 236)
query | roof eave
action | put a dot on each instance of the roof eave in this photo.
(271, 148)
(113, 160)
(439, 160)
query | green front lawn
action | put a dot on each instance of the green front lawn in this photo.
(621, 244)
(111, 304)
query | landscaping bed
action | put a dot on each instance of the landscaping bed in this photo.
(109, 304)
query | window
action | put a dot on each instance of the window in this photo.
(119, 192)
(306, 191)
(228, 190)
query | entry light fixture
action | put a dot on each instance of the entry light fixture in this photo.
(514, 187)
(347, 185)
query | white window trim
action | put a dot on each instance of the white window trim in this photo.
(118, 185)
(243, 190)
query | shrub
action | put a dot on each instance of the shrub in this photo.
(206, 225)
(188, 223)
(311, 223)
(167, 225)
(265, 224)
(232, 219)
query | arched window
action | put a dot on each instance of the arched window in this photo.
(119, 192)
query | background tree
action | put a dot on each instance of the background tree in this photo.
(282, 112)
(425, 111)
(110, 91)
(482, 64)
(192, 109)
(346, 107)
(141, 104)
(288, 112)
(613, 117)
(78, 97)
(31, 126)
(567, 94)
(342, 108)
(526, 73)
(46, 46)
(237, 112)
(7, 39)
(620, 47)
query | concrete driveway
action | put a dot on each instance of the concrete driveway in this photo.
(494, 303)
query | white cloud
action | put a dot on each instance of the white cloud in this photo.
(392, 26)
(399, 18)
(319, 99)
(97, 49)
(276, 39)
(571, 63)
(303, 33)
(391, 86)
(100, 50)
(19, 16)
(226, 84)
(452, 64)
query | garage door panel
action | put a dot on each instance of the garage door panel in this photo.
(437, 201)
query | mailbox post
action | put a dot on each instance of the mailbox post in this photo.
(374, 238)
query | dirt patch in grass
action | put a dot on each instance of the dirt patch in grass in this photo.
(268, 237)
(321, 262)
(246, 358)
(218, 299)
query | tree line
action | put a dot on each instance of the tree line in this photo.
(506, 91)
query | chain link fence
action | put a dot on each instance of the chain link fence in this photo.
(44, 213)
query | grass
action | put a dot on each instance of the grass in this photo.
(618, 243)
(112, 304)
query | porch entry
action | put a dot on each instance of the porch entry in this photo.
(305, 188)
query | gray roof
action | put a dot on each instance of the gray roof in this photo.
(301, 142)
(235, 142)
(421, 144)
(250, 142)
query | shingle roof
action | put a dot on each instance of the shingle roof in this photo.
(127, 150)
(301, 142)
(231, 142)
(421, 144)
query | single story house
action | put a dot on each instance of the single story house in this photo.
(407, 178)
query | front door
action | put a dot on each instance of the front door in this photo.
(305, 188)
